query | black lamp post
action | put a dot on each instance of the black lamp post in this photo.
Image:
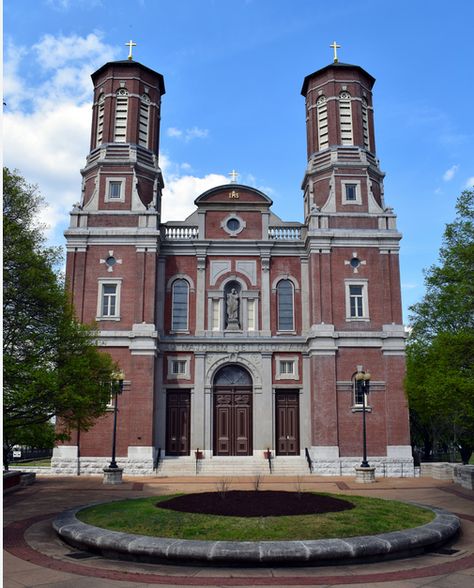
(362, 380)
(117, 388)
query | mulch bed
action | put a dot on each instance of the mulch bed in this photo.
(261, 503)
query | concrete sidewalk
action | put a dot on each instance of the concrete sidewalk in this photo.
(35, 557)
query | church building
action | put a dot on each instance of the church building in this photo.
(240, 334)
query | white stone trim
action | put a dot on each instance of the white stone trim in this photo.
(402, 451)
(65, 452)
(101, 282)
(217, 269)
(226, 219)
(365, 299)
(356, 183)
(293, 358)
(108, 181)
(325, 452)
(186, 375)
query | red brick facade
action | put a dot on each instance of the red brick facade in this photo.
(237, 331)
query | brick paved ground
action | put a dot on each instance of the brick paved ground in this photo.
(35, 557)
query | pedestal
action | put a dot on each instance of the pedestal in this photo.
(365, 475)
(112, 476)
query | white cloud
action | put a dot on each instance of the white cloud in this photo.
(450, 173)
(181, 191)
(187, 134)
(174, 132)
(47, 118)
(469, 182)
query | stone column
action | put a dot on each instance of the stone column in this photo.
(198, 409)
(265, 310)
(264, 413)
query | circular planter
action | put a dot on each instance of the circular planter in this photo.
(397, 544)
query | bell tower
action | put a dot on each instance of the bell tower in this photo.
(343, 173)
(352, 246)
(113, 243)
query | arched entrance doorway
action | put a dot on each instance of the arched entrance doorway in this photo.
(233, 411)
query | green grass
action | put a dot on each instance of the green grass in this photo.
(32, 464)
(369, 517)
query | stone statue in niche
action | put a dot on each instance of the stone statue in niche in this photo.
(232, 308)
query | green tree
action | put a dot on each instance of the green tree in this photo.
(440, 351)
(51, 364)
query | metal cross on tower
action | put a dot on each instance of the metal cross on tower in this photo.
(130, 44)
(335, 47)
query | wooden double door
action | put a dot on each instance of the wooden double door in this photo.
(233, 420)
(178, 418)
(287, 423)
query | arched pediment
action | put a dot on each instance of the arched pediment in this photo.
(234, 194)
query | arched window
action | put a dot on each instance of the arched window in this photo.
(322, 110)
(121, 116)
(100, 120)
(345, 118)
(365, 123)
(180, 304)
(144, 120)
(285, 305)
(232, 375)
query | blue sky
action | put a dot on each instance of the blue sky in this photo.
(233, 72)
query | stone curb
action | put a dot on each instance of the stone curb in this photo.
(116, 545)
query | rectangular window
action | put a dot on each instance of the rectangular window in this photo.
(216, 315)
(100, 120)
(144, 120)
(121, 114)
(356, 301)
(357, 306)
(351, 192)
(287, 367)
(108, 304)
(179, 366)
(115, 190)
(109, 299)
(251, 315)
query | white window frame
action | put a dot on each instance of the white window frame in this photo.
(365, 300)
(100, 120)
(293, 329)
(346, 124)
(365, 123)
(172, 375)
(355, 183)
(281, 359)
(121, 122)
(111, 180)
(323, 123)
(186, 329)
(251, 314)
(144, 121)
(358, 406)
(100, 296)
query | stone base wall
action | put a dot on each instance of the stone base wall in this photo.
(458, 473)
(384, 466)
(464, 475)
